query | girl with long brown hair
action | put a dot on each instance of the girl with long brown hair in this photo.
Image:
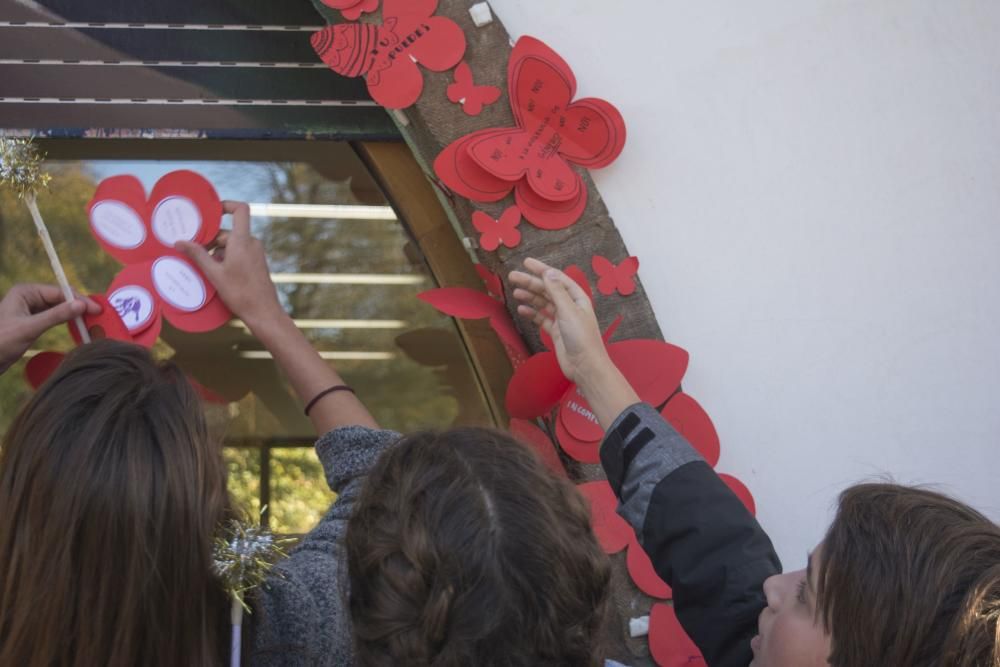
(904, 578)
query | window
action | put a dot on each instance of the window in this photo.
(346, 269)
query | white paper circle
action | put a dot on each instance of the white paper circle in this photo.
(118, 224)
(179, 284)
(134, 305)
(176, 219)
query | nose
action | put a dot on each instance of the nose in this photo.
(780, 588)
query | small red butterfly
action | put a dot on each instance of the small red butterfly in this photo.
(611, 278)
(472, 97)
(498, 232)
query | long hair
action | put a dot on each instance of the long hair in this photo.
(109, 498)
(465, 550)
(910, 578)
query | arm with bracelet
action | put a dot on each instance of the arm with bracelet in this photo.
(300, 616)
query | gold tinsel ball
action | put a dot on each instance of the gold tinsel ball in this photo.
(21, 167)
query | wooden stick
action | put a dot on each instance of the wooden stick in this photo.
(50, 250)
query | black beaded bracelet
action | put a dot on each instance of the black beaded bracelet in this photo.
(326, 392)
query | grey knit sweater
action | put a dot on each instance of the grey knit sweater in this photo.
(300, 616)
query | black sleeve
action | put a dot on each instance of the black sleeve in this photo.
(698, 534)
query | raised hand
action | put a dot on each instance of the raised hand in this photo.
(238, 269)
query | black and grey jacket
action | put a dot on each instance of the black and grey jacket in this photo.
(701, 539)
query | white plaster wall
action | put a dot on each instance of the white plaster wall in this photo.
(813, 188)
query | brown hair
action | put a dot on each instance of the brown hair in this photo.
(910, 578)
(109, 499)
(465, 550)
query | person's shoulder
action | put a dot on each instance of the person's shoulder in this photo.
(350, 451)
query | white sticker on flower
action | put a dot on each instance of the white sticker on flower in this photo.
(134, 305)
(117, 224)
(179, 284)
(176, 219)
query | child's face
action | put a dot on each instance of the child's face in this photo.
(790, 633)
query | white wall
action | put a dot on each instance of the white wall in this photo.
(813, 188)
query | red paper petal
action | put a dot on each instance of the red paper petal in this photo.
(580, 278)
(653, 368)
(640, 569)
(546, 214)
(105, 325)
(184, 206)
(494, 285)
(41, 367)
(741, 491)
(118, 215)
(578, 417)
(132, 295)
(578, 450)
(612, 531)
(536, 387)
(669, 645)
(534, 437)
(209, 318)
(691, 421)
(462, 302)
(460, 173)
(205, 393)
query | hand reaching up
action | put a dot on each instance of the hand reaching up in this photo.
(554, 302)
(238, 269)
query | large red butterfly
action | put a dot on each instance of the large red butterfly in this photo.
(534, 158)
(495, 233)
(613, 278)
(387, 54)
(472, 97)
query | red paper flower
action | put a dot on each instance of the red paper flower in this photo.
(352, 9)
(387, 55)
(157, 281)
(534, 159)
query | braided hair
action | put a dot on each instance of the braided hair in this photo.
(465, 550)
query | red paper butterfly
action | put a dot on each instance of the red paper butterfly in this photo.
(352, 9)
(157, 281)
(387, 54)
(534, 158)
(472, 97)
(498, 232)
(612, 278)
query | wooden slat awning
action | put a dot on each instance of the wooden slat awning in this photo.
(206, 68)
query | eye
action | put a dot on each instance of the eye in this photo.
(801, 597)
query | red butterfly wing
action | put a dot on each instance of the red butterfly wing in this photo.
(741, 491)
(534, 437)
(463, 86)
(463, 176)
(594, 133)
(555, 75)
(347, 48)
(546, 214)
(578, 450)
(462, 302)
